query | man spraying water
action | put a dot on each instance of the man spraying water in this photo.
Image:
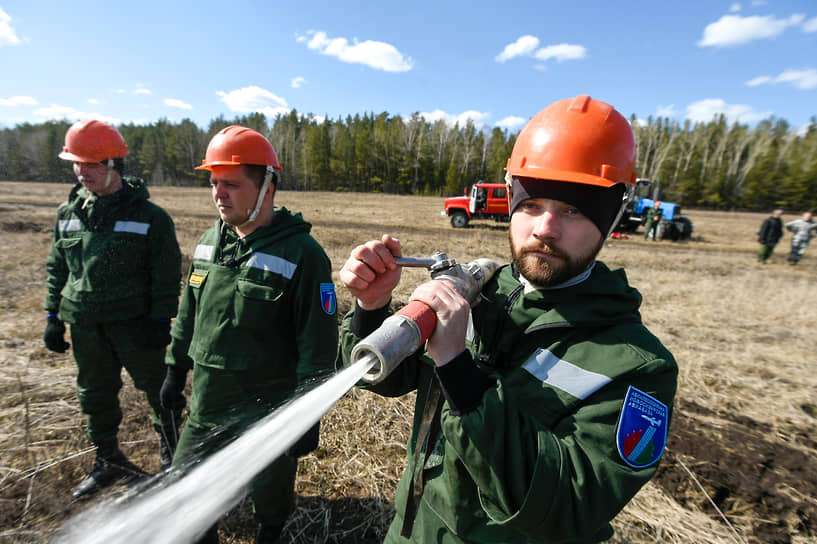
(528, 424)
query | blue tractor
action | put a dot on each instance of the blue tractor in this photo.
(673, 225)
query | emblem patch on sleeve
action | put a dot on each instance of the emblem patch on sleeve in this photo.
(329, 301)
(642, 429)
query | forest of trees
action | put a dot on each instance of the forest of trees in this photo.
(714, 165)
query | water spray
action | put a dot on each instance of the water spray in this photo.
(177, 511)
(403, 332)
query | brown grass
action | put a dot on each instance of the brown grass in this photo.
(740, 463)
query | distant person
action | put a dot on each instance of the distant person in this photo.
(803, 230)
(257, 320)
(113, 273)
(771, 231)
(654, 215)
(542, 410)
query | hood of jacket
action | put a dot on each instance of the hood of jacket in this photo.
(604, 298)
(284, 224)
(85, 203)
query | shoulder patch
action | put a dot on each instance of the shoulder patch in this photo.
(329, 301)
(641, 435)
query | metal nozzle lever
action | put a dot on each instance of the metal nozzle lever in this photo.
(426, 262)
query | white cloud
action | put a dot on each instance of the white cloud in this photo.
(759, 80)
(561, 52)
(511, 122)
(527, 46)
(120, 91)
(142, 90)
(705, 110)
(18, 101)
(93, 101)
(734, 7)
(377, 55)
(450, 119)
(639, 122)
(731, 30)
(802, 79)
(666, 111)
(810, 25)
(7, 34)
(254, 99)
(524, 45)
(64, 112)
(297, 82)
(176, 103)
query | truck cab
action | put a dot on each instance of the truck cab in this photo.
(484, 201)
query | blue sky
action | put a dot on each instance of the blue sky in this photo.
(495, 62)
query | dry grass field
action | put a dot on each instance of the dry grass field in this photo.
(741, 463)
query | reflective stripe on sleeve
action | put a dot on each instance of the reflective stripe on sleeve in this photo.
(70, 225)
(564, 375)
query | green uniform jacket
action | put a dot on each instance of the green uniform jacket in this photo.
(527, 450)
(253, 313)
(113, 258)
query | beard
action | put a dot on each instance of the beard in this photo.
(547, 273)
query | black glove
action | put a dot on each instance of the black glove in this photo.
(54, 336)
(171, 394)
(307, 442)
(157, 332)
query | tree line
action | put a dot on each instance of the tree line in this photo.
(715, 165)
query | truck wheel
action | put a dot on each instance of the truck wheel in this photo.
(459, 220)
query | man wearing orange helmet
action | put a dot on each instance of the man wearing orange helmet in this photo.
(257, 319)
(113, 273)
(553, 399)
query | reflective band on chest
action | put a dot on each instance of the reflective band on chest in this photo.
(203, 253)
(564, 375)
(134, 227)
(69, 225)
(271, 263)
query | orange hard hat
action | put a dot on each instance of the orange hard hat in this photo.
(93, 141)
(578, 140)
(236, 145)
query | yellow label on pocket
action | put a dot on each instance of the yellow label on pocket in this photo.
(197, 278)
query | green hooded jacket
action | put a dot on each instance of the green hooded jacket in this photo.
(259, 313)
(527, 448)
(113, 257)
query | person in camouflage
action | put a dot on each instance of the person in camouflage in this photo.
(542, 410)
(803, 230)
(113, 273)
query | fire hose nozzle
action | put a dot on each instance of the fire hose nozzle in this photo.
(402, 333)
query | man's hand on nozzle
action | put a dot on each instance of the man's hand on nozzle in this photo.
(171, 395)
(371, 274)
(452, 310)
(54, 336)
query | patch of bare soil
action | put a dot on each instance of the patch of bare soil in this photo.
(749, 470)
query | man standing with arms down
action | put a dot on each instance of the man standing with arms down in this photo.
(113, 274)
(771, 231)
(257, 319)
(542, 410)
